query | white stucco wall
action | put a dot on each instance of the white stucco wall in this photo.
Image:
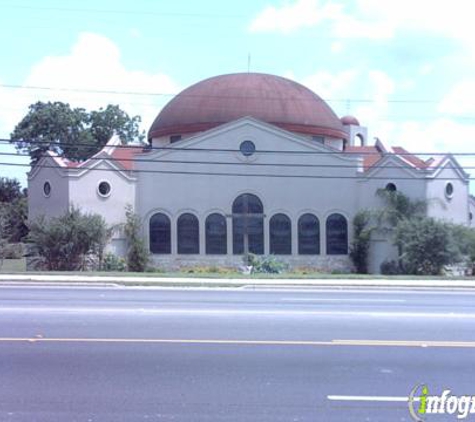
(84, 192)
(58, 201)
(321, 187)
(455, 208)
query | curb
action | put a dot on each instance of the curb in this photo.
(109, 281)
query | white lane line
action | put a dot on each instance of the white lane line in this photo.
(371, 398)
(230, 312)
(325, 299)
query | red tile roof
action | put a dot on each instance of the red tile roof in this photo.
(411, 158)
(125, 156)
(371, 155)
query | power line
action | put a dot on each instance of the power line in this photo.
(166, 94)
(347, 154)
(126, 12)
(222, 163)
(229, 174)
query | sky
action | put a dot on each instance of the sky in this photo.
(405, 69)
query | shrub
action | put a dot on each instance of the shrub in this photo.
(359, 249)
(426, 246)
(113, 262)
(266, 264)
(137, 253)
(390, 268)
(63, 243)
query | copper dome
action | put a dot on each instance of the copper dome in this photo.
(350, 120)
(272, 99)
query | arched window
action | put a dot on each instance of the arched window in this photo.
(391, 187)
(188, 234)
(159, 234)
(309, 235)
(248, 220)
(216, 239)
(280, 233)
(337, 235)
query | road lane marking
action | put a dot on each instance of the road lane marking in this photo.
(297, 299)
(353, 343)
(371, 398)
(405, 343)
(222, 312)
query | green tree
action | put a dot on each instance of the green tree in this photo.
(72, 132)
(137, 254)
(426, 246)
(64, 242)
(13, 209)
(397, 207)
(359, 249)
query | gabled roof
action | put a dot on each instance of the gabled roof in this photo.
(121, 155)
(411, 159)
(371, 155)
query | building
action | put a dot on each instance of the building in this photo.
(249, 161)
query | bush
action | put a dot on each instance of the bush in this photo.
(359, 249)
(137, 253)
(67, 242)
(266, 264)
(426, 246)
(113, 262)
(390, 268)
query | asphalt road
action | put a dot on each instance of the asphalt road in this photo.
(122, 354)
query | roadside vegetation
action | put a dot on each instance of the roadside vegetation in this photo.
(425, 246)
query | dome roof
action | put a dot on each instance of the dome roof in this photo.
(269, 98)
(350, 120)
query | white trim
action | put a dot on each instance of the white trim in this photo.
(257, 124)
(47, 181)
(449, 196)
(101, 195)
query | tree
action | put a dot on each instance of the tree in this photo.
(13, 210)
(398, 207)
(64, 242)
(426, 246)
(137, 254)
(359, 249)
(72, 132)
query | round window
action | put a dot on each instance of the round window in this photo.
(247, 148)
(47, 188)
(449, 190)
(104, 188)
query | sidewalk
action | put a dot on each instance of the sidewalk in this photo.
(8, 279)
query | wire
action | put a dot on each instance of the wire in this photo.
(187, 149)
(164, 94)
(224, 163)
(128, 12)
(229, 174)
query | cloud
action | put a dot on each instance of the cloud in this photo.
(459, 101)
(290, 17)
(311, 13)
(93, 64)
(371, 19)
